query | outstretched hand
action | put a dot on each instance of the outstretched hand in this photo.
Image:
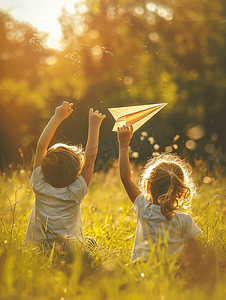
(125, 135)
(95, 118)
(64, 111)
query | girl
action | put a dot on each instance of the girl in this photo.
(165, 184)
(60, 179)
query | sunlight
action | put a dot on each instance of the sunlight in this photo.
(43, 15)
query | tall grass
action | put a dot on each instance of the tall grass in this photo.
(27, 273)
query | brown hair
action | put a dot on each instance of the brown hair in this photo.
(167, 180)
(62, 164)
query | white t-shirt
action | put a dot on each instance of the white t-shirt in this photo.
(56, 212)
(152, 224)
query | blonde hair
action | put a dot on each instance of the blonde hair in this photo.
(62, 164)
(167, 180)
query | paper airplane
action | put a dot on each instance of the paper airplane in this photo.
(134, 115)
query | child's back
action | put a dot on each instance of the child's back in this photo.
(60, 180)
(56, 212)
(165, 185)
(151, 224)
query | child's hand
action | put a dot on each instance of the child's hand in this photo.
(125, 135)
(95, 118)
(62, 112)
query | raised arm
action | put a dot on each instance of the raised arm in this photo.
(95, 120)
(124, 136)
(61, 113)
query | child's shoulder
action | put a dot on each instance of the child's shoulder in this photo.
(36, 175)
(183, 217)
(80, 180)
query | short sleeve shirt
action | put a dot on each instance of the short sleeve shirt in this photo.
(56, 212)
(152, 226)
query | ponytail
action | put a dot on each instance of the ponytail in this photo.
(170, 183)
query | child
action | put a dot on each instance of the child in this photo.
(165, 184)
(60, 179)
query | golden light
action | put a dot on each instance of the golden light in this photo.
(154, 37)
(139, 10)
(196, 132)
(191, 145)
(144, 133)
(169, 149)
(135, 154)
(156, 146)
(151, 6)
(207, 179)
(155, 154)
(128, 80)
(97, 53)
(43, 16)
(151, 140)
(176, 137)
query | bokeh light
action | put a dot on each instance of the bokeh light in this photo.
(151, 140)
(151, 6)
(155, 154)
(156, 146)
(209, 148)
(97, 52)
(151, 18)
(190, 144)
(214, 136)
(169, 149)
(135, 155)
(154, 37)
(144, 133)
(207, 179)
(93, 34)
(176, 137)
(196, 132)
(128, 80)
(139, 10)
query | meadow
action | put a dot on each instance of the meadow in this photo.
(27, 273)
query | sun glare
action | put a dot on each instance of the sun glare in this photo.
(43, 15)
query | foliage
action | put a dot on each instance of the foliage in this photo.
(115, 53)
(28, 273)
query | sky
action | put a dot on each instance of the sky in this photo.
(42, 14)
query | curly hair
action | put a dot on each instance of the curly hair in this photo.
(167, 180)
(62, 164)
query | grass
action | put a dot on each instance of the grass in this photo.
(107, 216)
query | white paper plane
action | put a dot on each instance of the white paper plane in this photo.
(134, 115)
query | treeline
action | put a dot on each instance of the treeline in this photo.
(117, 53)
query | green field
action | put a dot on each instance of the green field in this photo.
(107, 216)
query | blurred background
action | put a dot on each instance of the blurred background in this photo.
(111, 54)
